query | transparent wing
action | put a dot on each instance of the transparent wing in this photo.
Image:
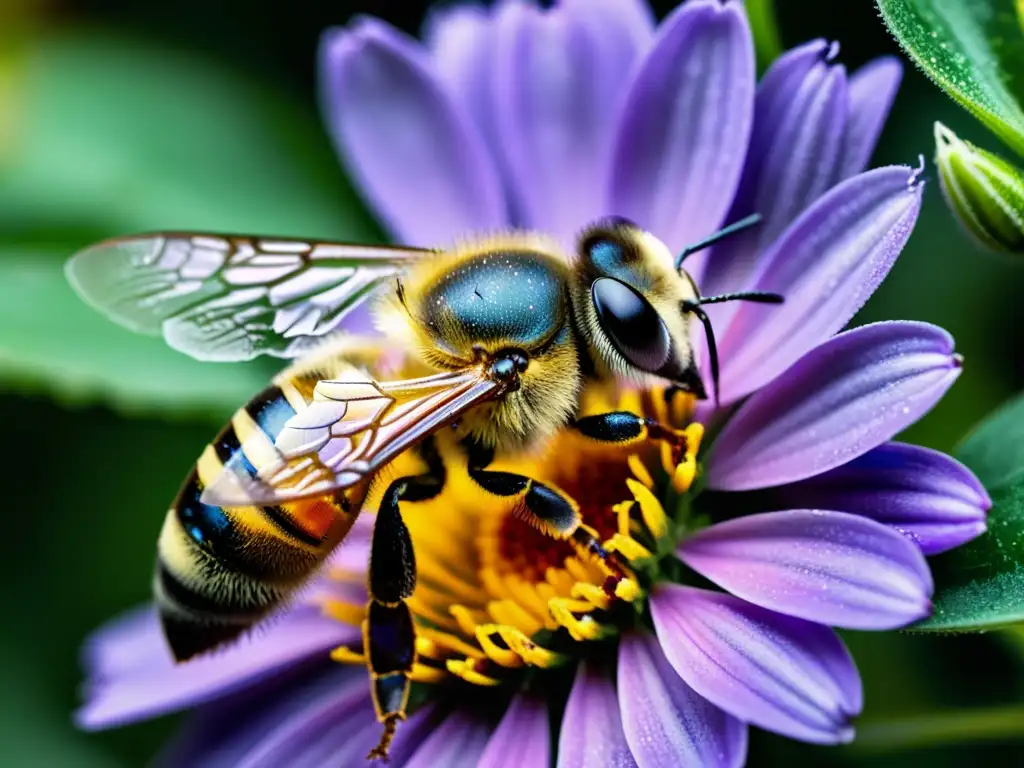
(351, 429)
(225, 297)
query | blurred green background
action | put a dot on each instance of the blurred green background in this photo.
(120, 116)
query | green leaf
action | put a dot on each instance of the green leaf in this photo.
(973, 50)
(53, 341)
(123, 135)
(938, 728)
(117, 136)
(994, 449)
(980, 586)
(765, 28)
(984, 191)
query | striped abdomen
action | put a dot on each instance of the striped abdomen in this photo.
(219, 570)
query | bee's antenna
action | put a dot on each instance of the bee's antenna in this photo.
(709, 332)
(695, 307)
(761, 297)
(737, 226)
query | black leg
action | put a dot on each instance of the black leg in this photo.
(544, 507)
(389, 637)
(624, 428)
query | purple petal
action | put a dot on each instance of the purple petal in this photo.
(667, 723)
(777, 672)
(872, 90)
(829, 567)
(683, 137)
(461, 39)
(558, 82)
(932, 498)
(328, 719)
(592, 735)
(799, 126)
(838, 402)
(132, 675)
(410, 147)
(826, 265)
(630, 22)
(458, 743)
(523, 738)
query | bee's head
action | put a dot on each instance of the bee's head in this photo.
(634, 304)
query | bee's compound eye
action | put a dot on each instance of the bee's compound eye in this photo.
(632, 325)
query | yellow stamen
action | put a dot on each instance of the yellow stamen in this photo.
(421, 607)
(580, 629)
(346, 613)
(465, 670)
(510, 612)
(529, 651)
(650, 509)
(449, 642)
(640, 471)
(658, 409)
(345, 655)
(682, 407)
(527, 595)
(430, 572)
(493, 583)
(423, 673)
(578, 571)
(503, 656)
(628, 590)
(684, 473)
(629, 547)
(429, 649)
(592, 593)
(667, 461)
(622, 511)
(468, 620)
(560, 580)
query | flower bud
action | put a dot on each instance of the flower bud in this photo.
(985, 192)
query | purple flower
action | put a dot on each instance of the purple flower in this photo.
(547, 119)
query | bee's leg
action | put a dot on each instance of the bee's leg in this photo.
(549, 510)
(389, 636)
(624, 428)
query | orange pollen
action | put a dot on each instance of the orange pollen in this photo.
(596, 488)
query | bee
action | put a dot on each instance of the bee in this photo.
(508, 329)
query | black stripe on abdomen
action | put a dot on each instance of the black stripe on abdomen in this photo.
(194, 601)
(239, 549)
(288, 527)
(270, 410)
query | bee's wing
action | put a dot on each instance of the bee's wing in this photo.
(226, 297)
(351, 429)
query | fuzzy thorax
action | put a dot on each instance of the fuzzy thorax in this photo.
(483, 298)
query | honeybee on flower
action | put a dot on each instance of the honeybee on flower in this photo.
(662, 634)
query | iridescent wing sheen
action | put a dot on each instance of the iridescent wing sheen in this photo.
(352, 428)
(226, 297)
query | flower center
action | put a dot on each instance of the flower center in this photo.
(596, 488)
(520, 598)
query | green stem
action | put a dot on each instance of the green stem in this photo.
(767, 42)
(938, 728)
